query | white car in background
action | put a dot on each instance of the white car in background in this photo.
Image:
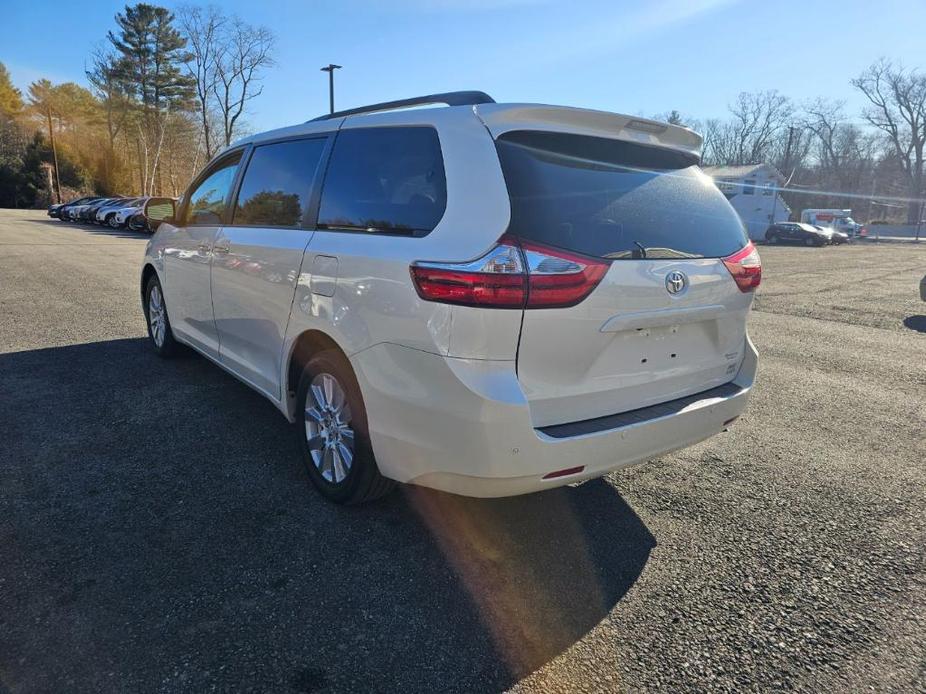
(487, 299)
(105, 214)
(123, 214)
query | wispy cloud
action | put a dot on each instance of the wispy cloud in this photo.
(612, 31)
(468, 5)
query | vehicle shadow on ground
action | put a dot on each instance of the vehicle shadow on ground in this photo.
(94, 229)
(917, 323)
(160, 533)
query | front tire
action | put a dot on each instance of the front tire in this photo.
(162, 337)
(331, 428)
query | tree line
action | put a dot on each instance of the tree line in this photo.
(872, 163)
(166, 92)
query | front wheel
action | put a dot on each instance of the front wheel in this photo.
(331, 427)
(811, 242)
(162, 337)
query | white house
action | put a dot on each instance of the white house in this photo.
(752, 191)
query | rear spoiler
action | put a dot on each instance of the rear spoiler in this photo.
(503, 118)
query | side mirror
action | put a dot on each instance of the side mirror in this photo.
(158, 210)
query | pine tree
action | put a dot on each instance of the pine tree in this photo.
(11, 99)
(150, 55)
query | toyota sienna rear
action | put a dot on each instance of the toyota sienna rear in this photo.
(488, 299)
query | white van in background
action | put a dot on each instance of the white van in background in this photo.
(840, 220)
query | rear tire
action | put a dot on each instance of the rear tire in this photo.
(162, 337)
(773, 239)
(333, 435)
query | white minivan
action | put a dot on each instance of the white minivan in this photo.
(487, 299)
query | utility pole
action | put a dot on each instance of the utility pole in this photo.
(54, 152)
(788, 149)
(330, 68)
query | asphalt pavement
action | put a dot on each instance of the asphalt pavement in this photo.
(158, 534)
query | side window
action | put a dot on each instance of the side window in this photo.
(749, 186)
(385, 180)
(277, 184)
(207, 200)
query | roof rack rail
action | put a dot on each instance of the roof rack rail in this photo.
(449, 98)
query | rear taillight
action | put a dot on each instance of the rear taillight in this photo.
(557, 278)
(496, 280)
(511, 275)
(746, 267)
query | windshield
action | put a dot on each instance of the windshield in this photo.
(615, 199)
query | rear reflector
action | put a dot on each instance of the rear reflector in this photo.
(746, 267)
(564, 473)
(511, 275)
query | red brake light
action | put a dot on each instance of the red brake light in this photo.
(496, 280)
(746, 267)
(558, 278)
(511, 275)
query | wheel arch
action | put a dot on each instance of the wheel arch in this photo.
(146, 273)
(307, 344)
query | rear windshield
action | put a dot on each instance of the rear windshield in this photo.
(615, 199)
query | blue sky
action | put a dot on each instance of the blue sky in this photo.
(631, 56)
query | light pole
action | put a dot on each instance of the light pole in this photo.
(330, 68)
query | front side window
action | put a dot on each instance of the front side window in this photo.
(277, 184)
(384, 180)
(614, 199)
(207, 200)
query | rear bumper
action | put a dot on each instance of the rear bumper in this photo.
(464, 426)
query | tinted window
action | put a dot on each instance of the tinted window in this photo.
(277, 183)
(615, 199)
(207, 200)
(385, 179)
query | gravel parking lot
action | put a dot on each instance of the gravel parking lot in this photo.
(157, 532)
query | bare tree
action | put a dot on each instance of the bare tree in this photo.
(840, 154)
(757, 119)
(204, 29)
(245, 52)
(898, 109)
(226, 59)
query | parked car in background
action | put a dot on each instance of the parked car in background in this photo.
(120, 217)
(443, 296)
(53, 210)
(137, 221)
(88, 213)
(104, 213)
(836, 237)
(796, 232)
(71, 211)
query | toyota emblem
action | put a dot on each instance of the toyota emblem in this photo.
(676, 282)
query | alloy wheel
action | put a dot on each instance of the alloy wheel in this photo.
(328, 428)
(157, 316)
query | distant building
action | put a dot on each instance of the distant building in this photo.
(752, 190)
